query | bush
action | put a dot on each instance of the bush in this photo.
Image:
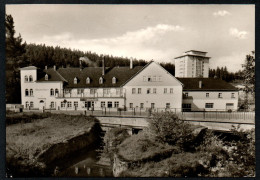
(113, 138)
(139, 147)
(14, 118)
(168, 128)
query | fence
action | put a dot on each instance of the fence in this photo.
(218, 115)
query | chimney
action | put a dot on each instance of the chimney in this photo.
(131, 63)
(200, 84)
(46, 67)
(54, 67)
(80, 63)
(103, 65)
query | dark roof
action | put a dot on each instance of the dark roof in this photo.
(209, 84)
(52, 75)
(197, 51)
(192, 55)
(122, 74)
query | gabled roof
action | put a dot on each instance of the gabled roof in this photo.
(208, 84)
(52, 76)
(122, 74)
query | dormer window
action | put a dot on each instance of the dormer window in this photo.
(100, 80)
(88, 80)
(75, 80)
(25, 78)
(113, 80)
(46, 77)
(30, 78)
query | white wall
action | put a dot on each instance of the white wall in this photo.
(198, 99)
(160, 99)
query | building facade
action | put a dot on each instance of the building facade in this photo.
(192, 64)
(208, 94)
(95, 88)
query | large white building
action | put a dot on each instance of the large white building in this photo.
(192, 64)
(139, 87)
(150, 86)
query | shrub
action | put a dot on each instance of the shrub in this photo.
(113, 138)
(168, 128)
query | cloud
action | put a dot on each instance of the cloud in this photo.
(238, 34)
(221, 13)
(143, 43)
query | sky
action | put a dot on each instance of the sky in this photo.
(149, 32)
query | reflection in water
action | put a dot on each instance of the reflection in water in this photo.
(87, 167)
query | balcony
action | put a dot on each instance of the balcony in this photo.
(87, 95)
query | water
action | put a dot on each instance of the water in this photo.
(87, 167)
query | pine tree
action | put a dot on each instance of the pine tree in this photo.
(15, 57)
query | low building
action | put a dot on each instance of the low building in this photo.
(208, 94)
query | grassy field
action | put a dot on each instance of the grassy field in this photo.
(26, 141)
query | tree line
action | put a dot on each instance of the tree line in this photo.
(224, 74)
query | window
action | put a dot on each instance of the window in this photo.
(27, 104)
(139, 90)
(106, 91)
(69, 104)
(207, 95)
(154, 90)
(113, 80)
(154, 78)
(30, 78)
(209, 105)
(152, 105)
(26, 92)
(131, 105)
(229, 106)
(141, 105)
(109, 104)
(56, 92)
(160, 78)
(62, 104)
(232, 95)
(171, 90)
(86, 104)
(31, 92)
(31, 104)
(79, 91)
(93, 91)
(116, 104)
(144, 78)
(100, 80)
(76, 104)
(88, 80)
(103, 104)
(219, 95)
(165, 90)
(25, 78)
(67, 91)
(168, 105)
(186, 106)
(75, 80)
(148, 90)
(149, 79)
(52, 104)
(186, 94)
(133, 90)
(52, 92)
(46, 77)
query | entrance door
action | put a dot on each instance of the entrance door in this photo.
(42, 104)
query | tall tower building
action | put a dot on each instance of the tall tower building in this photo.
(192, 64)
